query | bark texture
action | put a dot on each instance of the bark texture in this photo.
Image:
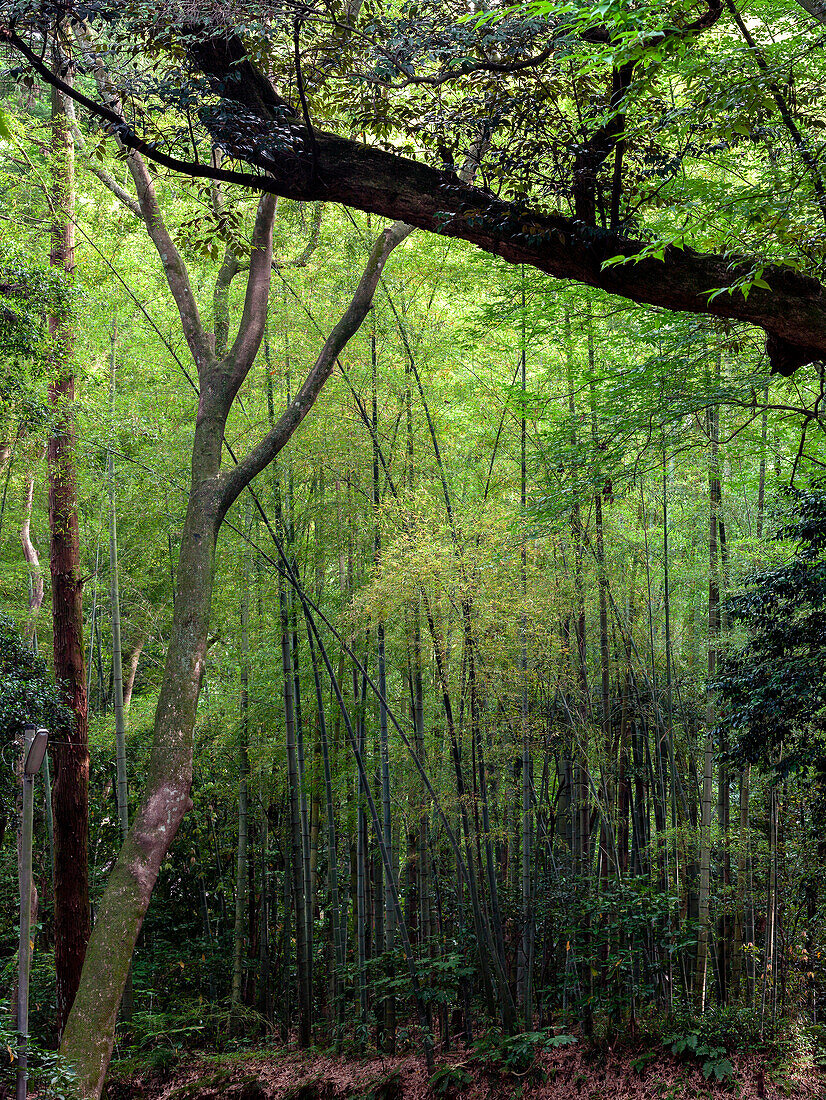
(70, 792)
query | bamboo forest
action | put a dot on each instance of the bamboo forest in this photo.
(412, 549)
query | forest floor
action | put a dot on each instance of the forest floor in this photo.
(570, 1073)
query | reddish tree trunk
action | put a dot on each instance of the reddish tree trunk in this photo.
(70, 792)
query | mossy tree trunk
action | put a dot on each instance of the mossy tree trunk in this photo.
(89, 1034)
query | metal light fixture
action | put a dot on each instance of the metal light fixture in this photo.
(36, 752)
(34, 748)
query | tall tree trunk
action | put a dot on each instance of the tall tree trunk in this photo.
(241, 870)
(724, 921)
(704, 914)
(741, 896)
(361, 865)
(669, 717)
(332, 852)
(70, 792)
(425, 861)
(602, 586)
(265, 912)
(114, 596)
(289, 533)
(117, 662)
(90, 1029)
(294, 787)
(526, 958)
(386, 901)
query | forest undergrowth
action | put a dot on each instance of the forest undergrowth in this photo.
(623, 1069)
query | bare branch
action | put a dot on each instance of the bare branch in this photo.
(175, 270)
(106, 178)
(237, 478)
(312, 243)
(254, 317)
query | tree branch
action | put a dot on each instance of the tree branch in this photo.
(106, 178)
(254, 317)
(175, 270)
(792, 312)
(229, 268)
(236, 479)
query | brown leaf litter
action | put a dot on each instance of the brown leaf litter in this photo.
(573, 1073)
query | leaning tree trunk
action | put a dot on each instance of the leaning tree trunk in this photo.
(89, 1035)
(89, 1031)
(70, 793)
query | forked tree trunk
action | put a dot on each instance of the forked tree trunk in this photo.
(89, 1035)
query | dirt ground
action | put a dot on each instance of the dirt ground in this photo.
(564, 1074)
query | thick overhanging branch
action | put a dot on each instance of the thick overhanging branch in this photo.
(792, 312)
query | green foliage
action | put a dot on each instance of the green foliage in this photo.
(807, 1041)
(167, 1034)
(773, 688)
(42, 986)
(734, 1026)
(440, 975)
(27, 694)
(515, 1054)
(29, 293)
(713, 1059)
(710, 1039)
(48, 1073)
(450, 1079)
(27, 691)
(642, 1061)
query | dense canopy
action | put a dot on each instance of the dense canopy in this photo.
(411, 418)
(609, 138)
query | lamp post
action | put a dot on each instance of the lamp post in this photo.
(34, 749)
